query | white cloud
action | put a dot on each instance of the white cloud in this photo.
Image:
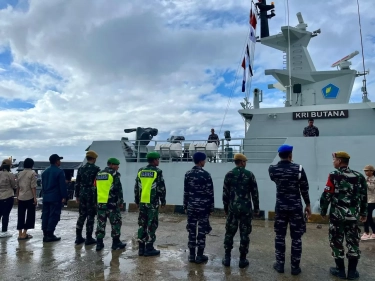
(101, 66)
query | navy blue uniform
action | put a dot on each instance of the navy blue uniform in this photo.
(54, 191)
(291, 183)
(199, 203)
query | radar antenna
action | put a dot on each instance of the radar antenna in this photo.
(344, 62)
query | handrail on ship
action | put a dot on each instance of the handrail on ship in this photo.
(256, 149)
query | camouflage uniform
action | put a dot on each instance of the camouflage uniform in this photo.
(346, 191)
(311, 131)
(199, 203)
(148, 220)
(239, 185)
(84, 191)
(291, 181)
(111, 209)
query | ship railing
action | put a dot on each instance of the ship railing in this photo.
(256, 149)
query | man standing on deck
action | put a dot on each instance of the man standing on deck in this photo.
(110, 201)
(240, 187)
(213, 138)
(291, 181)
(85, 197)
(149, 189)
(198, 204)
(311, 130)
(346, 191)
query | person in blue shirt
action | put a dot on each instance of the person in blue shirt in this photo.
(54, 195)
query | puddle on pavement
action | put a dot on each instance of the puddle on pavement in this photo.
(116, 262)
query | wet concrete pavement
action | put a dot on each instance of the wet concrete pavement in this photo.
(35, 260)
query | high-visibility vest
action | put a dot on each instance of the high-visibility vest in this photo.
(147, 178)
(104, 182)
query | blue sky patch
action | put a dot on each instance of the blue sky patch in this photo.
(15, 104)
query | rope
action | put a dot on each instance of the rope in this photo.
(235, 81)
(363, 56)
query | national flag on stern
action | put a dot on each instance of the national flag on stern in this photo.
(244, 74)
(248, 60)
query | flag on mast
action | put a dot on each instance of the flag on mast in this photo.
(244, 74)
(248, 60)
(253, 25)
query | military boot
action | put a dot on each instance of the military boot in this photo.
(295, 267)
(243, 261)
(51, 237)
(279, 267)
(192, 255)
(79, 238)
(200, 257)
(339, 270)
(226, 259)
(117, 244)
(141, 249)
(150, 250)
(89, 239)
(352, 269)
(99, 244)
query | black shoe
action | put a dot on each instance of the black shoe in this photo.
(117, 244)
(191, 258)
(339, 270)
(99, 244)
(51, 237)
(296, 270)
(352, 269)
(226, 260)
(278, 267)
(201, 259)
(243, 263)
(79, 240)
(141, 249)
(90, 241)
(151, 251)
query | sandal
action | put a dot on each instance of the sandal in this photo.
(28, 236)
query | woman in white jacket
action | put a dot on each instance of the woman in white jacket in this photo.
(369, 171)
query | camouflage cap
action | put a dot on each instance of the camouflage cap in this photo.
(240, 156)
(113, 161)
(369, 168)
(92, 154)
(153, 155)
(6, 162)
(341, 154)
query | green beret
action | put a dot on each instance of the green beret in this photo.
(113, 161)
(341, 154)
(153, 155)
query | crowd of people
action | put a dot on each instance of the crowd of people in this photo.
(349, 194)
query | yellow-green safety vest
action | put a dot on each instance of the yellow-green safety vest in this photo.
(147, 178)
(104, 182)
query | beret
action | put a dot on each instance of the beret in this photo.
(341, 154)
(239, 156)
(153, 155)
(113, 161)
(369, 168)
(91, 154)
(6, 162)
(199, 156)
(285, 148)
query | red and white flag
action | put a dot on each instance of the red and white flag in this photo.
(253, 25)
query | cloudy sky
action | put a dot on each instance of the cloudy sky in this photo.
(76, 71)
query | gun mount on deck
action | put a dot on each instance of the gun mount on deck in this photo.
(136, 150)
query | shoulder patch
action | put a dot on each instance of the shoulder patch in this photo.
(102, 177)
(147, 174)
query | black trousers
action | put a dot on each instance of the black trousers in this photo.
(6, 206)
(23, 207)
(370, 222)
(51, 215)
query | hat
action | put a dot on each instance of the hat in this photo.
(54, 157)
(285, 148)
(369, 168)
(199, 156)
(239, 156)
(341, 154)
(153, 155)
(91, 154)
(6, 162)
(113, 161)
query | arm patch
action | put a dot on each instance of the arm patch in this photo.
(330, 187)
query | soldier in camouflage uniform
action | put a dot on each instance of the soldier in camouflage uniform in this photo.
(346, 191)
(240, 187)
(149, 189)
(110, 200)
(291, 181)
(198, 204)
(85, 197)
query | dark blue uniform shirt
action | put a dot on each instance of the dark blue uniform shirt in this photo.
(53, 184)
